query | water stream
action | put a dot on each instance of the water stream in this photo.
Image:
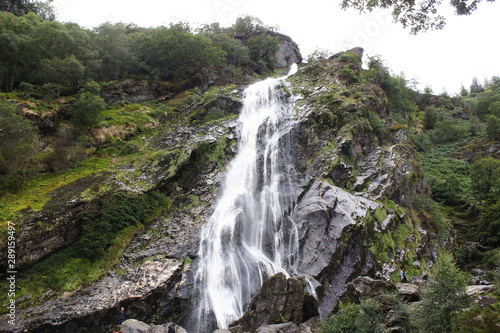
(250, 236)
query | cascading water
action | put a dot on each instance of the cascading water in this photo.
(249, 236)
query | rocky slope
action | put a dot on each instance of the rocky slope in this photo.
(358, 180)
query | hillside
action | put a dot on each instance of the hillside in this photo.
(113, 158)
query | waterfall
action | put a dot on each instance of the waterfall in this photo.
(250, 236)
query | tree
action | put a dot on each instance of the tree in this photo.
(430, 118)
(485, 178)
(476, 87)
(174, 54)
(86, 109)
(419, 16)
(492, 126)
(443, 297)
(18, 142)
(263, 49)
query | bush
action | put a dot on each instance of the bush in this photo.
(118, 211)
(366, 317)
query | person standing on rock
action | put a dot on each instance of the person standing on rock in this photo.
(402, 276)
(121, 316)
(172, 328)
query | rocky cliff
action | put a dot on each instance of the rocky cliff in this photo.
(358, 180)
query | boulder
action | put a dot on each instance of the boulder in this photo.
(279, 328)
(408, 291)
(279, 299)
(366, 287)
(134, 326)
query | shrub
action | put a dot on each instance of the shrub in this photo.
(118, 211)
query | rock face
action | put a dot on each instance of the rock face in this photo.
(288, 52)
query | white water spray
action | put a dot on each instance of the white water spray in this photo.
(249, 236)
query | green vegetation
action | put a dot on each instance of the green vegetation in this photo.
(419, 16)
(117, 212)
(441, 309)
(369, 316)
(443, 297)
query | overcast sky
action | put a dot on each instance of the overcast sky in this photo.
(466, 47)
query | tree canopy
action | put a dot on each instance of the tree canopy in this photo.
(419, 15)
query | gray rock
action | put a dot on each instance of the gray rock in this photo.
(366, 287)
(279, 299)
(279, 328)
(134, 326)
(408, 291)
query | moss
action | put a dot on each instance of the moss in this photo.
(380, 214)
(35, 194)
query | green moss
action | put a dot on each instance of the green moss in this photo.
(34, 194)
(380, 214)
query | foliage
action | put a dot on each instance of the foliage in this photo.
(118, 211)
(479, 320)
(37, 51)
(380, 315)
(485, 178)
(18, 145)
(263, 48)
(87, 107)
(176, 54)
(417, 15)
(356, 318)
(443, 297)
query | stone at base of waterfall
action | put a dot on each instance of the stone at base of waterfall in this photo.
(279, 299)
(136, 326)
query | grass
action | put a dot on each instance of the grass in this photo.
(34, 194)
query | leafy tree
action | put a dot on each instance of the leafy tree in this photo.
(248, 25)
(430, 118)
(237, 54)
(492, 126)
(263, 48)
(443, 297)
(366, 317)
(476, 87)
(170, 53)
(417, 15)
(447, 131)
(489, 220)
(87, 107)
(463, 91)
(485, 178)
(41, 8)
(18, 142)
(114, 44)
